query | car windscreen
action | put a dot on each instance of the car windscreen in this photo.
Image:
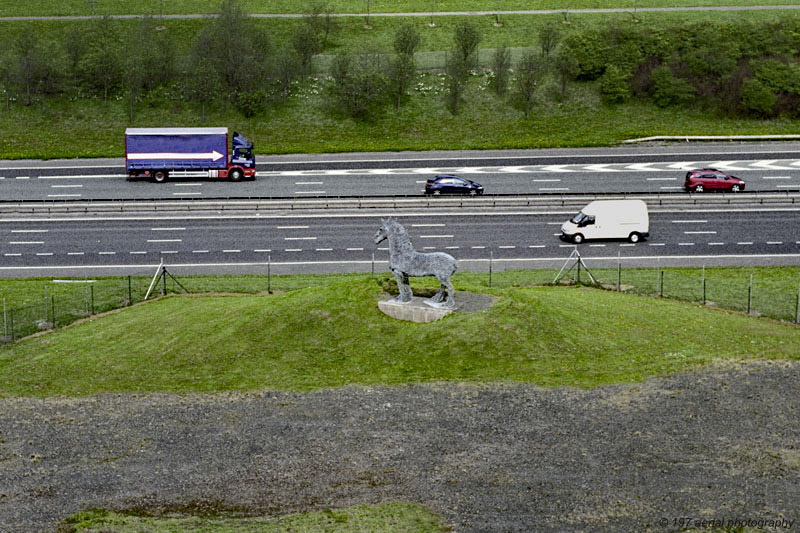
(578, 218)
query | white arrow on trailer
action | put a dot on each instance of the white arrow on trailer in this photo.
(213, 155)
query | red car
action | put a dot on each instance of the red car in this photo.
(711, 179)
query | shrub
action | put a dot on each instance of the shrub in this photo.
(776, 75)
(614, 87)
(669, 90)
(757, 98)
(590, 53)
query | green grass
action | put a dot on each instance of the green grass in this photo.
(154, 7)
(84, 127)
(387, 517)
(333, 335)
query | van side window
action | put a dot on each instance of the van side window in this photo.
(587, 220)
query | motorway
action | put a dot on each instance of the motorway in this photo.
(319, 240)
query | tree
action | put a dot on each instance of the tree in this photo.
(529, 72)
(7, 61)
(359, 85)
(39, 66)
(501, 63)
(307, 44)
(286, 68)
(402, 67)
(457, 75)
(614, 86)
(549, 37)
(460, 61)
(202, 77)
(567, 69)
(100, 66)
(406, 40)
(466, 38)
(758, 98)
(669, 90)
(320, 19)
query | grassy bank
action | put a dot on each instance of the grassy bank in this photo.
(389, 517)
(75, 125)
(334, 335)
(155, 7)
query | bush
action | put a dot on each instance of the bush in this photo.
(669, 90)
(757, 98)
(590, 53)
(776, 75)
(614, 87)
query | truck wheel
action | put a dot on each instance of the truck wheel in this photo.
(634, 237)
(236, 175)
(160, 176)
(577, 238)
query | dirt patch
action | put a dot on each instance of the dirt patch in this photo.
(719, 443)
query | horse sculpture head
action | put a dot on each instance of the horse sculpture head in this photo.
(383, 231)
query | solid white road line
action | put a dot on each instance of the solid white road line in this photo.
(63, 195)
(164, 240)
(690, 221)
(662, 179)
(187, 184)
(700, 232)
(427, 225)
(312, 182)
(776, 178)
(29, 230)
(65, 186)
(291, 227)
(435, 236)
(82, 176)
(26, 242)
(186, 193)
(309, 192)
(299, 238)
(167, 229)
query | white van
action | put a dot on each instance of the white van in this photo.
(608, 219)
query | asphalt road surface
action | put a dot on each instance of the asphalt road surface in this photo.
(326, 243)
(767, 167)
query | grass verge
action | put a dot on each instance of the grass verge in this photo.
(155, 7)
(388, 517)
(334, 335)
(81, 126)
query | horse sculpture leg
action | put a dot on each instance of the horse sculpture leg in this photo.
(447, 287)
(404, 294)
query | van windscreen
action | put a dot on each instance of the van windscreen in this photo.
(578, 218)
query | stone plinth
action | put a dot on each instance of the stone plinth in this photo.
(415, 311)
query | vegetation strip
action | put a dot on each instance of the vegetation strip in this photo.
(530, 82)
(334, 335)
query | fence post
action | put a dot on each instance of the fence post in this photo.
(660, 283)
(619, 273)
(85, 296)
(269, 274)
(53, 309)
(372, 270)
(130, 294)
(91, 294)
(490, 268)
(797, 309)
(750, 295)
(11, 322)
(704, 285)
(46, 313)
(163, 280)
(5, 320)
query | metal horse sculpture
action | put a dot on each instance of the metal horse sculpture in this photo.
(404, 261)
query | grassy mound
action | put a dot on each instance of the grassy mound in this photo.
(334, 335)
(389, 517)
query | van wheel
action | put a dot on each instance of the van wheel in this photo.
(577, 238)
(699, 188)
(160, 176)
(235, 175)
(634, 237)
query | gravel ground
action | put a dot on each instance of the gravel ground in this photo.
(722, 443)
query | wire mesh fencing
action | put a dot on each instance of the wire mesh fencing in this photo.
(41, 304)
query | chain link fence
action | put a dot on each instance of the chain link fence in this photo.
(62, 302)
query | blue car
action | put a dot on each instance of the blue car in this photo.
(449, 184)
